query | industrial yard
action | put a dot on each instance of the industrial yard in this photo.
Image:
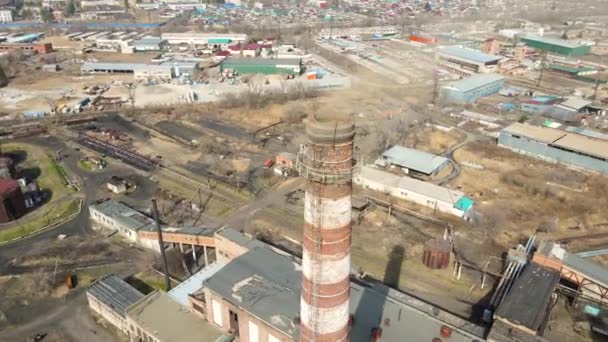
(357, 171)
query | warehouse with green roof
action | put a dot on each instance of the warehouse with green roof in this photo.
(558, 46)
(266, 66)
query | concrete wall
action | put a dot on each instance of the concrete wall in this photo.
(109, 223)
(138, 333)
(227, 250)
(549, 153)
(185, 239)
(246, 322)
(107, 313)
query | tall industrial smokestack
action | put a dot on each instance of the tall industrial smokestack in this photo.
(326, 161)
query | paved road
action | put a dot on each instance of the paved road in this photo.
(91, 184)
(71, 319)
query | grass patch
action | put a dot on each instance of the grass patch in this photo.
(146, 282)
(57, 169)
(83, 164)
(52, 176)
(51, 214)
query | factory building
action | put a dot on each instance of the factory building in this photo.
(24, 38)
(569, 109)
(12, 203)
(165, 70)
(262, 66)
(586, 278)
(157, 317)
(522, 314)
(472, 88)
(6, 16)
(555, 145)
(141, 229)
(109, 297)
(448, 201)
(557, 46)
(413, 162)
(467, 61)
(38, 48)
(362, 33)
(540, 104)
(257, 295)
(150, 44)
(422, 38)
(491, 46)
(197, 38)
(124, 220)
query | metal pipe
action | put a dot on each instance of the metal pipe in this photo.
(161, 244)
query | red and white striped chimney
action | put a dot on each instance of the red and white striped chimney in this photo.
(326, 162)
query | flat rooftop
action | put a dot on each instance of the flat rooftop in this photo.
(475, 81)
(527, 302)
(413, 159)
(267, 285)
(585, 144)
(115, 293)
(124, 215)
(263, 283)
(239, 238)
(427, 189)
(539, 133)
(167, 320)
(553, 41)
(470, 54)
(193, 284)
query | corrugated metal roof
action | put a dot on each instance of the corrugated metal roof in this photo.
(576, 103)
(590, 269)
(115, 293)
(584, 144)
(167, 320)
(194, 283)
(474, 55)
(426, 189)
(413, 159)
(587, 132)
(543, 134)
(474, 82)
(552, 41)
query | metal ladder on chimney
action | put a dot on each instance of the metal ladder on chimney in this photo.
(317, 202)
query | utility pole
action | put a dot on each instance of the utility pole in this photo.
(161, 244)
(542, 68)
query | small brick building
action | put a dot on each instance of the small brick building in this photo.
(12, 203)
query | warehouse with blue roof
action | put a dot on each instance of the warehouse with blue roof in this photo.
(472, 88)
(467, 60)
